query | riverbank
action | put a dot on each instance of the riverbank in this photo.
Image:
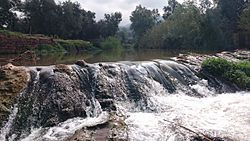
(18, 43)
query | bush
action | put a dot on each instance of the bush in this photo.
(75, 45)
(111, 43)
(235, 72)
(45, 49)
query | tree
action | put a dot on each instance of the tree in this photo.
(181, 30)
(70, 20)
(41, 16)
(109, 25)
(205, 5)
(245, 19)
(169, 10)
(89, 29)
(7, 16)
(142, 20)
(231, 10)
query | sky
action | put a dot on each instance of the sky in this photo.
(100, 7)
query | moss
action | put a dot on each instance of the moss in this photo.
(234, 72)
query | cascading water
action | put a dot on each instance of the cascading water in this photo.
(157, 100)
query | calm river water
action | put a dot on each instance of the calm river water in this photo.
(93, 57)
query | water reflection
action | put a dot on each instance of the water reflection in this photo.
(93, 57)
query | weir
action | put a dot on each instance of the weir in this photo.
(151, 100)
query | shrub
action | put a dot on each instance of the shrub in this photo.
(111, 43)
(235, 72)
(45, 49)
(75, 45)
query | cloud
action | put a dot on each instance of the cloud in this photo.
(100, 7)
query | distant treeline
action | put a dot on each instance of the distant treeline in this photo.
(202, 24)
(66, 20)
(193, 25)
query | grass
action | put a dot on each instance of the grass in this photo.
(59, 45)
(76, 45)
(45, 49)
(9, 33)
(234, 72)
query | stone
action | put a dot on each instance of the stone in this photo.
(63, 69)
(81, 63)
(12, 81)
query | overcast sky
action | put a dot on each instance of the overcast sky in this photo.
(100, 7)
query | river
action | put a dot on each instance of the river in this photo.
(158, 100)
(96, 56)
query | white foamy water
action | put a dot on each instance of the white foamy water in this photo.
(7, 127)
(66, 129)
(225, 115)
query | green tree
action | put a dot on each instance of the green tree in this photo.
(245, 19)
(181, 30)
(205, 5)
(143, 19)
(7, 16)
(42, 16)
(169, 10)
(89, 30)
(231, 10)
(70, 20)
(110, 24)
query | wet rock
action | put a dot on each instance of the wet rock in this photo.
(63, 69)
(109, 131)
(81, 63)
(53, 97)
(12, 81)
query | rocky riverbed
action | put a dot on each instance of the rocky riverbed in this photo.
(105, 101)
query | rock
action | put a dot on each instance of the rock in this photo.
(63, 69)
(12, 81)
(81, 63)
(54, 96)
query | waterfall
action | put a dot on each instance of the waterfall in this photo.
(151, 100)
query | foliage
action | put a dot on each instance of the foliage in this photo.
(75, 45)
(235, 72)
(45, 49)
(41, 16)
(192, 26)
(125, 35)
(170, 9)
(111, 43)
(182, 29)
(9, 33)
(143, 19)
(109, 25)
(7, 16)
(66, 19)
(245, 19)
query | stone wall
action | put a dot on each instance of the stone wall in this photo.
(16, 44)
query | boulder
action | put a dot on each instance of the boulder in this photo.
(12, 81)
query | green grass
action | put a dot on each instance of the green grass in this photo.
(234, 72)
(58, 46)
(9, 33)
(45, 49)
(76, 45)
